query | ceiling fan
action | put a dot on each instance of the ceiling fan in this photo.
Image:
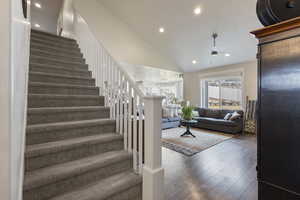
(215, 51)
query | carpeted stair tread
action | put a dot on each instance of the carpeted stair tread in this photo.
(51, 40)
(58, 75)
(50, 132)
(64, 109)
(54, 53)
(67, 125)
(57, 55)
(62, 171)
(58, 61)
(54, 43)
(36, 32)
(104, 189)
(59, 100)
(70, 51)
(58, 85)
(78, 68)
(64, 145)
(62, 89)
(57, 78)
(61, 96)
(62, 114)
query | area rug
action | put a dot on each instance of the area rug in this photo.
(189, 145)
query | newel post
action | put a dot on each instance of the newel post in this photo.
(153, 173)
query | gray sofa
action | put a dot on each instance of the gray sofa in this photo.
(171, 122)
(214, 120)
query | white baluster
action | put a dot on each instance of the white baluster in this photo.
(115, 86)
(135, 146)
(125, 114)
(118, 102)
(141, 136)
(122, 106)
(129, 114)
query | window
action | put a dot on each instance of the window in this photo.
(225, 93)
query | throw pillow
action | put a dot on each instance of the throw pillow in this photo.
(227, 116)
(235, 116)
(195, 113)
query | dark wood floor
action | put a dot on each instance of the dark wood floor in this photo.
(223, 172)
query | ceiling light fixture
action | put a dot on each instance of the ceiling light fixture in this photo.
(38, 5)
(28, 2)
(197, 11)
(227, 54)
(37, 25)
(194, 62)
(161, 30)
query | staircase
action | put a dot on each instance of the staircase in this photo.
(72, 149)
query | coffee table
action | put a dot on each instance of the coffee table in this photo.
(188, 124)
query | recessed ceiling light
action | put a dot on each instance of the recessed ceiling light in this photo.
(161, 30)
(194, 62)
(197, 11)
(28, 2)
(227, 54)
(37, 25)
(38, 5)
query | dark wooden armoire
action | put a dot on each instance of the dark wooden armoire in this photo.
(279, 111)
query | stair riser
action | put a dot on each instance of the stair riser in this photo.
(39, 118)
(52, 61)
(68, 133)
(72, 154)
(51, 38)
(61, 80)
(36, 89)
(51, 49)
(70, 184)
(58, 56)
(54, 44)
(133, 193)
(39, 102)
(62, 70)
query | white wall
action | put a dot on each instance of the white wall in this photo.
(47, 15)
(192, 91)
(14, 51)
(5, 100)
(117, 37)
(20, 38)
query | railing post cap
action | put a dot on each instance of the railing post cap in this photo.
(154, 97)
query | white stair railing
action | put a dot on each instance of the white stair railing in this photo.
(138, 118)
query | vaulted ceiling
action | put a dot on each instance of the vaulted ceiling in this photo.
(187, 36)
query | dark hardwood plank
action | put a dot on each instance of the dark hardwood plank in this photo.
(223, 172)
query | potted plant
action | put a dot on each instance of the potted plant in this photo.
(187, 112)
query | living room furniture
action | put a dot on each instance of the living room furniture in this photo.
(213, 119)
(170, 116)
(188, 124)
(171, 122)
(250, 117)
(279, 111)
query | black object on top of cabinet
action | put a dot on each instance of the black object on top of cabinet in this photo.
(274, 11)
